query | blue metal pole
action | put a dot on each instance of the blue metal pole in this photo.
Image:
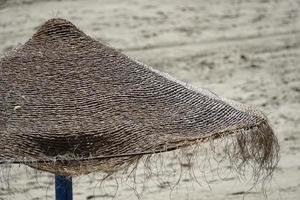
(63, 188)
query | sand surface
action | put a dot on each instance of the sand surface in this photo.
(248, 51)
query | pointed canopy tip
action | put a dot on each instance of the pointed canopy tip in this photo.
(57, 21)
(57, 27)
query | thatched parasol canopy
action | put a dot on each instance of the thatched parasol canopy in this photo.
(72, 105)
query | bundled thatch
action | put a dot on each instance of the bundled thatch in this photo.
(72, 105)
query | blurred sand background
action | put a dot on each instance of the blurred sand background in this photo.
(248, 51)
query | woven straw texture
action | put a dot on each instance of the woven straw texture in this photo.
(72, 105)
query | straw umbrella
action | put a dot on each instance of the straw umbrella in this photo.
(71, 105)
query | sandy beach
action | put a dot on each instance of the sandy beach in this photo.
(248, 51)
